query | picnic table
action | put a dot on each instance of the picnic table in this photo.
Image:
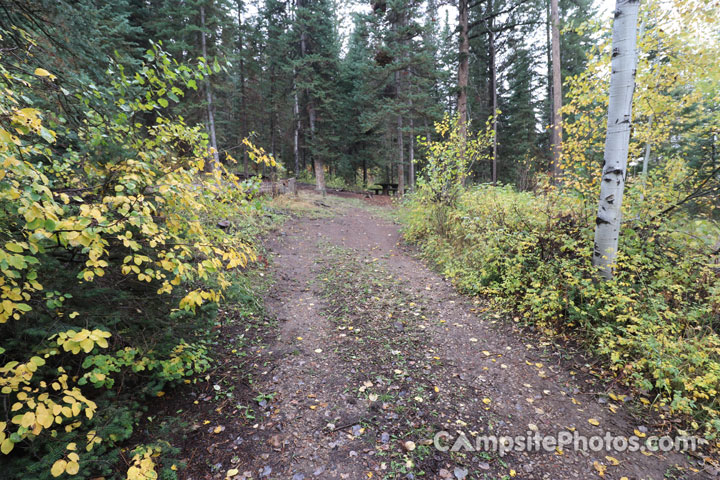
(386, 188)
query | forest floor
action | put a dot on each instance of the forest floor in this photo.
(365, 353)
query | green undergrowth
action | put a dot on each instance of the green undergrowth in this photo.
(655, 324)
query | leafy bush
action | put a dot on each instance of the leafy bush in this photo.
(656, 322)
(111, 260)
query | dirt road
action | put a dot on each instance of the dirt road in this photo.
(375, 354)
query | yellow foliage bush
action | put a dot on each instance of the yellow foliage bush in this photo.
(126, 194)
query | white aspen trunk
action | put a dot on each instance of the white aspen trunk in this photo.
(612, 184)
(556, 133)
(208, 95)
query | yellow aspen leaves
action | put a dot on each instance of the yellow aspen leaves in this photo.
(6, 446)
(599, 468)
(142, 468)
(84, 340)
(41, 72)
(72, 467)
(58, 468)
(44, 416)
(93, 439)
(69, 465)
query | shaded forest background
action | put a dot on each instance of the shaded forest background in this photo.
(290, 80)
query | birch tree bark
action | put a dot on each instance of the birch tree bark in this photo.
(208, 95)
(612, 185)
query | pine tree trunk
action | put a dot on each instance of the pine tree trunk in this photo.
(209, 97)
(612, 185)
(400, 146)
(492, 93)
(548, 52)
(411, 152)
(463, 68)
(401, 155)
(271, 113)
(296, 116)
(243, 101)
(317, 161)
(364, 169)
(556, 133)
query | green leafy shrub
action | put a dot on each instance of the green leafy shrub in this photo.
(656, 322)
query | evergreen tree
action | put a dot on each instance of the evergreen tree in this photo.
(316, 70)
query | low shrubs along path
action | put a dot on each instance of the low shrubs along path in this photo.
(369, 353)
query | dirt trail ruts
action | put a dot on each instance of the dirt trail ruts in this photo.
(313, 427)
